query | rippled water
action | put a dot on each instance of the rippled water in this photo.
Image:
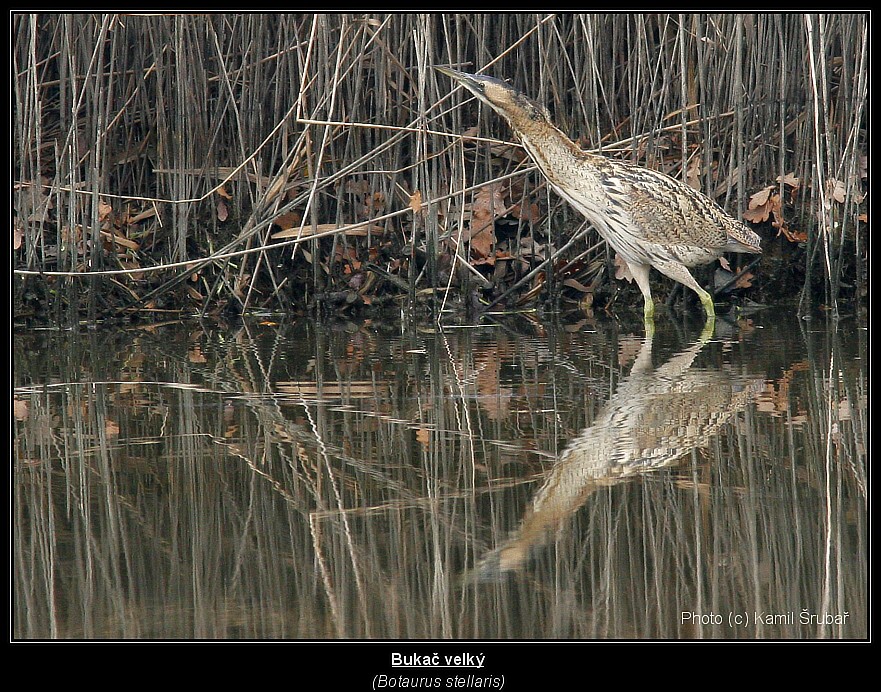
(514, 480)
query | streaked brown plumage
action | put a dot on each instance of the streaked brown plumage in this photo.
(655, 419)
(649, 218)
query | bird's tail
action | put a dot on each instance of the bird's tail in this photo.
(744, 241)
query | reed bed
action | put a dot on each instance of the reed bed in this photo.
(196, 163)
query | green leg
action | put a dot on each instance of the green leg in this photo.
(710, 309)
(707, 302)
(649, 317)
(709, 329)
(680, 273)
(640, 272)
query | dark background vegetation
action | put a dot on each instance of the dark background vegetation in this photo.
(201, 163)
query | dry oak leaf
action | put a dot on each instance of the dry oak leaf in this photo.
(789, 179)
(762, 204)
(794, 236)
(487, 205)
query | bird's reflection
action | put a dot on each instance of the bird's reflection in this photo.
(656, 417)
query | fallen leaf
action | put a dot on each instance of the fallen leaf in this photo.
(577, 285)
(288, 220)
(622, 269)
(374, 204)
(759, 215)
(744, 280)
(693, 173)
(836, 190)
(416, 202)
(794, 236)
(528, 213)
(488, 204)
(760, 198)
(762, 204)
(104, 210)
(789, 179)
(20, 408)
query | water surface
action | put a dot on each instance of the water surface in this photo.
(514, 480)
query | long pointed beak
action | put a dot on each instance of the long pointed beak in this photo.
(475, 83)
(463, 78)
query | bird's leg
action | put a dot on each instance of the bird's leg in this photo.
(640, 272)
(709, 329)
(678, 272)
(706, 301)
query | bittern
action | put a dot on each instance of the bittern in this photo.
(649, 218)
(656, 418)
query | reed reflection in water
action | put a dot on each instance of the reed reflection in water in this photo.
(656, 417)
(314, 482)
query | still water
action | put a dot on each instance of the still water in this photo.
(514, 480)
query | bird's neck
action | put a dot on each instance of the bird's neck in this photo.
(559, 157)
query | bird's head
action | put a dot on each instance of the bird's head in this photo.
(499, 95)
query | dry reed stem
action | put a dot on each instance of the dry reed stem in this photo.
(125, 109)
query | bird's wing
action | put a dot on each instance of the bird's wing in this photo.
(670, 213)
